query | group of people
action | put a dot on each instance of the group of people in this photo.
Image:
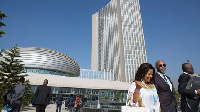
(70, 103)
(154, 90)
(42, 98)
(14, 96)
(150, 89)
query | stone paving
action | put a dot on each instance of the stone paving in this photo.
(49, 108)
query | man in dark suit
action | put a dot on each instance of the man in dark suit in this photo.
(191, 104)
(42, 94)
(59, 100)
(15, 95)
(164, 88)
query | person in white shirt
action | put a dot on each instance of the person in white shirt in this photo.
(142, 91)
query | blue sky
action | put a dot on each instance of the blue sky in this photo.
(171, 29)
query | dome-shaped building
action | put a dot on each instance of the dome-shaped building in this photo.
(48, 61)
(63, 74)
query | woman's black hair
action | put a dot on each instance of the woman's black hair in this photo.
(142, 71)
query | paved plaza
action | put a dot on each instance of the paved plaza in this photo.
(50, 108)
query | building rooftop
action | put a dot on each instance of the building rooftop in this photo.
(75, 82)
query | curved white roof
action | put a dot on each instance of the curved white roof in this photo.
(75, 82)
(48, 59)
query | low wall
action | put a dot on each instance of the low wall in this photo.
(86, 109)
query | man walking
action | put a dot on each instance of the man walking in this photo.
(15, 95)
(59, 100)
(164, 88)
(191, 104)
(42, 94)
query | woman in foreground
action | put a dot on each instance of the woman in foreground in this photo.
(142, 92)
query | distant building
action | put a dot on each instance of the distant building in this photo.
(198, 75)
(118, 43)
(92, 74)
(1, 50)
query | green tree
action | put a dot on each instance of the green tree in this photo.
(177, 96)
(28, 95)
(2, 15)
(122, 97)
(10, 72)
(106, 97)
(117, 96)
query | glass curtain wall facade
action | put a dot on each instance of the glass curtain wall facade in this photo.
(87, 94)
(91, 74)
(118, 43)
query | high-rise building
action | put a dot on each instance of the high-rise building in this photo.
(118, 44)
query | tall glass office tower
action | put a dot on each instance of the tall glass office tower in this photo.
(118, 44)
